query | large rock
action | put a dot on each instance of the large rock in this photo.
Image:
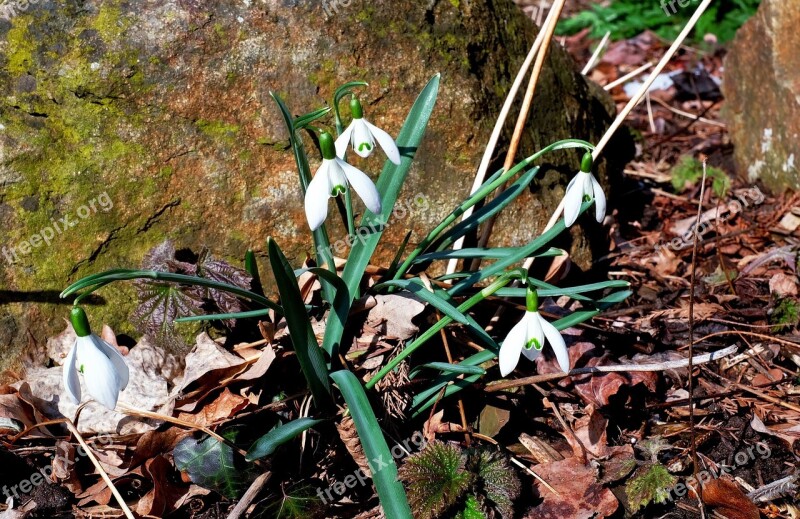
(139, 121)
(762, 91)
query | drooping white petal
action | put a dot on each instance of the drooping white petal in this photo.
(317, 194)
(99, 374)
(573, 199)
(599, 200)
(557, 343)
(71, 381)
(535, 328)
(116, 359)
(363, 185)
(385, 140)
(534, 331)
(336, 177)
(362, 139)
(344, 139)
(512, 347)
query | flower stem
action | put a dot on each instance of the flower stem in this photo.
(430, 332)
(479, 195)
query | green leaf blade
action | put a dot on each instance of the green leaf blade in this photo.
(384, 470)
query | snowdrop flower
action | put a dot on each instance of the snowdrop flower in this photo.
(527, 338)
(333, 177)
(363, 135)
(104, 370)
(584, 186)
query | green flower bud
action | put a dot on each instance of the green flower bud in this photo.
(80, 322)
(326, 144)
(355, 108)
(586, 162)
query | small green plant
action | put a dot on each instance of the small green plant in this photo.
(689, 171)
(651, 483)
(785, 314)
(627, 18)
(445, 481)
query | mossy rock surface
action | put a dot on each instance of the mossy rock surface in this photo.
(163, 109)
(762, 96)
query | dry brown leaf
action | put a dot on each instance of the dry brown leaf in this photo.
(781, 285)
(728, 499)
(224, 406)
(165, 493)
(590, 431)
(349, 436)
(595, 389)
(580, 496)
(393, 314)
(14, 408)
(788, 432)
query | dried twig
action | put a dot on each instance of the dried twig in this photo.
(89, 454)
(249, 496)
(548, 29)
(480, 176)
(627, 77)
(596, 54)
(620, 368)
(692, 432)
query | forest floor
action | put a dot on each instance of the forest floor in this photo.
(607, 444)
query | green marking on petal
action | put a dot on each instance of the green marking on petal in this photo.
(364, 145)
(587, 198)
(80, 370)
(535, 344)
(337, 190)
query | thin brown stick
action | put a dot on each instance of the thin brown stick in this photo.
(426, 281)
(549, 30)
(89, 454)
(623, 368)
(692, 432)
(156, 416)
(249, 496)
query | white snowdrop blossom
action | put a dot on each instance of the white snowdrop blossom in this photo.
(332, 178)
(103, 367)
(362, 135)
(527, 338)
(584, 187)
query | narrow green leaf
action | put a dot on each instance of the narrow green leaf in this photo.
(269, 443)
(500, 266)
(309, 354)
(417, 288)
(218, 317)
(384, 470)
(448, 368)
(389, 185)
(322, 243)
(484, 253)
(251, 267)
(104, 278)
(496, 205)
(567, 291)
(426, 398)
